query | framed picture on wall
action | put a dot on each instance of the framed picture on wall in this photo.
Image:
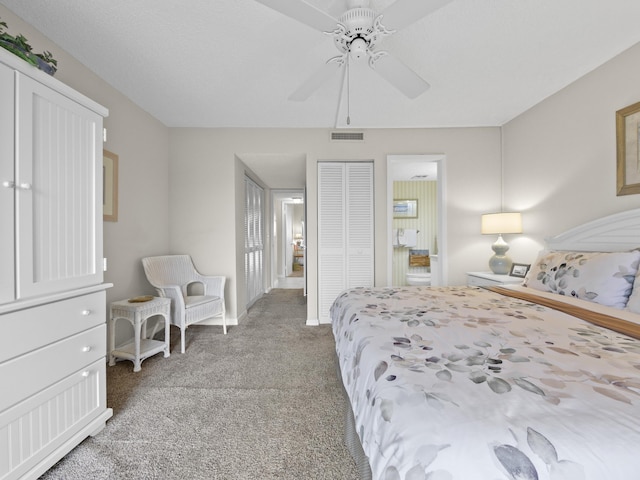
(403, 208)
(628, 150)
(110, 186)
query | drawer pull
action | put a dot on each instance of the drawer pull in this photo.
(86, 349)
(86, 313)
(86, 373)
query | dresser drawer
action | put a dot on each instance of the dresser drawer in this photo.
(25, 375)
(32, 328)
(37, 427)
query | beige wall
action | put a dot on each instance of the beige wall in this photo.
(560, 156)
(205, 222)
(141, 142)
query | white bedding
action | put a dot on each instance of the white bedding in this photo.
(463, 383)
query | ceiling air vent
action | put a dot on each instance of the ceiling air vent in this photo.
(347, 136)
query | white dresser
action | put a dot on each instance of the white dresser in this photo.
(52, 295)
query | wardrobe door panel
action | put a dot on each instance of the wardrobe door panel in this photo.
(58, 193)
(7, 192)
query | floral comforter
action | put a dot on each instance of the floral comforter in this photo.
(464, 383)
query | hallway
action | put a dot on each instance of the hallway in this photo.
(290, 282)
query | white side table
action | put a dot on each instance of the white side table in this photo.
(137, 314)
(484, 279)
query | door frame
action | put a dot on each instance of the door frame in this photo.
(276, 230)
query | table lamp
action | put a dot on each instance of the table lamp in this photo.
(501, 223)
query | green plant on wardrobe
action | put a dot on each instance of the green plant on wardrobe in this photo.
(19, 46)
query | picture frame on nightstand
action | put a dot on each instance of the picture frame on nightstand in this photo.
(519, 270)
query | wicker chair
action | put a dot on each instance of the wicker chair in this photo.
(173, 277)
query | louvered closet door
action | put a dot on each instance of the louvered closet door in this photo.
(331, 235)
(254, 241)
(359, 224)
(345, 230)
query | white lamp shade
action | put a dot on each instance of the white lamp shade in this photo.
(498, 223)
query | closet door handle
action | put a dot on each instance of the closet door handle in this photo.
(24, 186)
(9, 184)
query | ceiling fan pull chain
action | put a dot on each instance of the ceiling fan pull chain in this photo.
(348, 99)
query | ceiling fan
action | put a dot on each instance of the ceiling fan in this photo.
(356, 34)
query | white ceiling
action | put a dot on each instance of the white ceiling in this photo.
(233, 63)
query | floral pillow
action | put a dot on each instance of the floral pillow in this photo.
(600, 277)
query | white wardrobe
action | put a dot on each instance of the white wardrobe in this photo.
(52, 295)
(345, 230)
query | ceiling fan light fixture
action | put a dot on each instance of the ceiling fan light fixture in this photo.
(358, 48)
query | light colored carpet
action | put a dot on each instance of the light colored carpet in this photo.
(262, 402)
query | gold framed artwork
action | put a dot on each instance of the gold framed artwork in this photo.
(628, 150)
(403, 208)
(109, 186)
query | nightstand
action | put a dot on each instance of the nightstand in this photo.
(488, 279)
(137, 314)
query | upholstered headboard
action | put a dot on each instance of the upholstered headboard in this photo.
(615, 233)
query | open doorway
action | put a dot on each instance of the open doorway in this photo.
(288, 258)
(416, 220)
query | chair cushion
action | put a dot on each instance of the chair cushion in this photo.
(195, 300)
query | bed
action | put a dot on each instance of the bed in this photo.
(533, 381)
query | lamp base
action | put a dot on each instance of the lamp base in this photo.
(500, 263)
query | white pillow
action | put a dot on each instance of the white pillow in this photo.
(633, 304)
(600, 277)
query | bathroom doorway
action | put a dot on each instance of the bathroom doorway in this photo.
(416, 220)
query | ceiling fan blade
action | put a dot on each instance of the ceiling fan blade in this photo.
(400, 76)
(315, 81)
(402, 13)
(336, 8)
(303, 12)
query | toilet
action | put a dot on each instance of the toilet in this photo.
(419, 278)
